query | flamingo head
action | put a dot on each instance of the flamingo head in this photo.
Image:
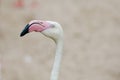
(48, 28)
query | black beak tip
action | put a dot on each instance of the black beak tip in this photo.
(25, 30)
(21, 35)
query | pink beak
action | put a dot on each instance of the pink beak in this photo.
(36, 26)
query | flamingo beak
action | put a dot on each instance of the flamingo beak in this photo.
(25, 30)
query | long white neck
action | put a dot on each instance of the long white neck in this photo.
(57, 61)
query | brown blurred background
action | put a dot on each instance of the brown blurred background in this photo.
(92, 39)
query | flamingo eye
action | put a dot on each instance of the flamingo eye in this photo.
(52, 26)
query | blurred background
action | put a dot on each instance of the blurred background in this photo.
(92, 39)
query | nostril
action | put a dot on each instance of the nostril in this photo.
(41, 23)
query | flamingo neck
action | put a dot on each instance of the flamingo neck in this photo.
(57, 61)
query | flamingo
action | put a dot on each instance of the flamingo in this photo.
(51, 30)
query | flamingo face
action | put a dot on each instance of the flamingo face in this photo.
(35, 25)
(48, 28)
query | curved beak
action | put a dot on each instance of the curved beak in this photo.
(25, 30)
